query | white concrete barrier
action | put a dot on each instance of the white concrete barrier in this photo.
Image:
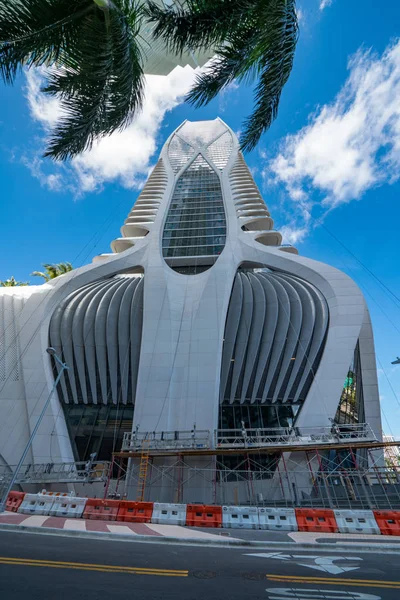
(356, 521)
(68, 506)
(36, 504)
(277, 519)
(240, 517)
(169, 514)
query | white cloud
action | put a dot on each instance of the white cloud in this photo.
(291, 234)
(350, 145)
(44, 109)
(227, 96)
(124, 156)
(300, 15)
(53, 181)
(324, 3)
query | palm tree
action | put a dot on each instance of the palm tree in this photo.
(94, 51)
(254, 40)
(12, 282)
(96, 66)
(53, 271)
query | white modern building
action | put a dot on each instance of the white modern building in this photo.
(200, 320)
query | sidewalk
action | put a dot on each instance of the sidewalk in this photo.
(175, 533)
(134, 529)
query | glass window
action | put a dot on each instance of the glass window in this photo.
(195, 224)
(97, 428)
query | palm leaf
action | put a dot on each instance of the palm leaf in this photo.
(64, 267)
(277, 55)
(102, 84)
(37, 32)
(231, 63)
(40, 274)
(254, 39)
(197, 24)
(97, 65)
(12, 282)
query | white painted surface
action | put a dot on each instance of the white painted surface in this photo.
(327, 564)
(34, 521)
(183, 532)
(74, 525)
(302, 537)
(120, 529)
(316, 594)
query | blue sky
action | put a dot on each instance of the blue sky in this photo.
(328, 168)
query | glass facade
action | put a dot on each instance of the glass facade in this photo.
(351, 404)
(220, 150)
(179, 152)
(256, 416)
(97, 428)
(195, 224)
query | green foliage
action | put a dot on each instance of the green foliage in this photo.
(93, 50)
(255, 40)
(96, 67)
(12, 282)
(53, 270)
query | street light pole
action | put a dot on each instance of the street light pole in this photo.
(63, 366)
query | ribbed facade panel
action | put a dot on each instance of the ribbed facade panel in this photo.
(274, 336)
(97, 330)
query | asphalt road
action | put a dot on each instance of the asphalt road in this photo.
(45, 567)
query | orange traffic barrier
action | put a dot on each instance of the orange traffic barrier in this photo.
(202, 515)
(316, 519)
(135, 512)
(14, 501)
(101, 510)
(388, 521)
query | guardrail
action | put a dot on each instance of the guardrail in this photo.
(246, 438)
(167, 440)
(76, 472)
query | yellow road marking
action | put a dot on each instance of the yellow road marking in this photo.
(6, 560)
(395, 585)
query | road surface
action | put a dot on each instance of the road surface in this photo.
(41, 567)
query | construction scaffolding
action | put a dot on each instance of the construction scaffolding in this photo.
(281, 437)
(336, 467)
(57, 473)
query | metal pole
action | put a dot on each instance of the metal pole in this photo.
(325, 480)
(110, 471)
(3, 501)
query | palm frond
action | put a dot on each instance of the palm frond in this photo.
(40, 274)
(96, 62)
(259, 48)
(231, 62)
(277, 55)
(37, 32)
(64, 267)
(197, 24)
(12, 282)
(101, 84)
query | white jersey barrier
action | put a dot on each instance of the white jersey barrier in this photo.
(169, 514)
(39, 504)
(36, 504)
(356, 521)
(233, 517)
(240, 517)
(71, 507)
(277, 519)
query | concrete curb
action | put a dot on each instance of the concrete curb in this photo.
(366, 547)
